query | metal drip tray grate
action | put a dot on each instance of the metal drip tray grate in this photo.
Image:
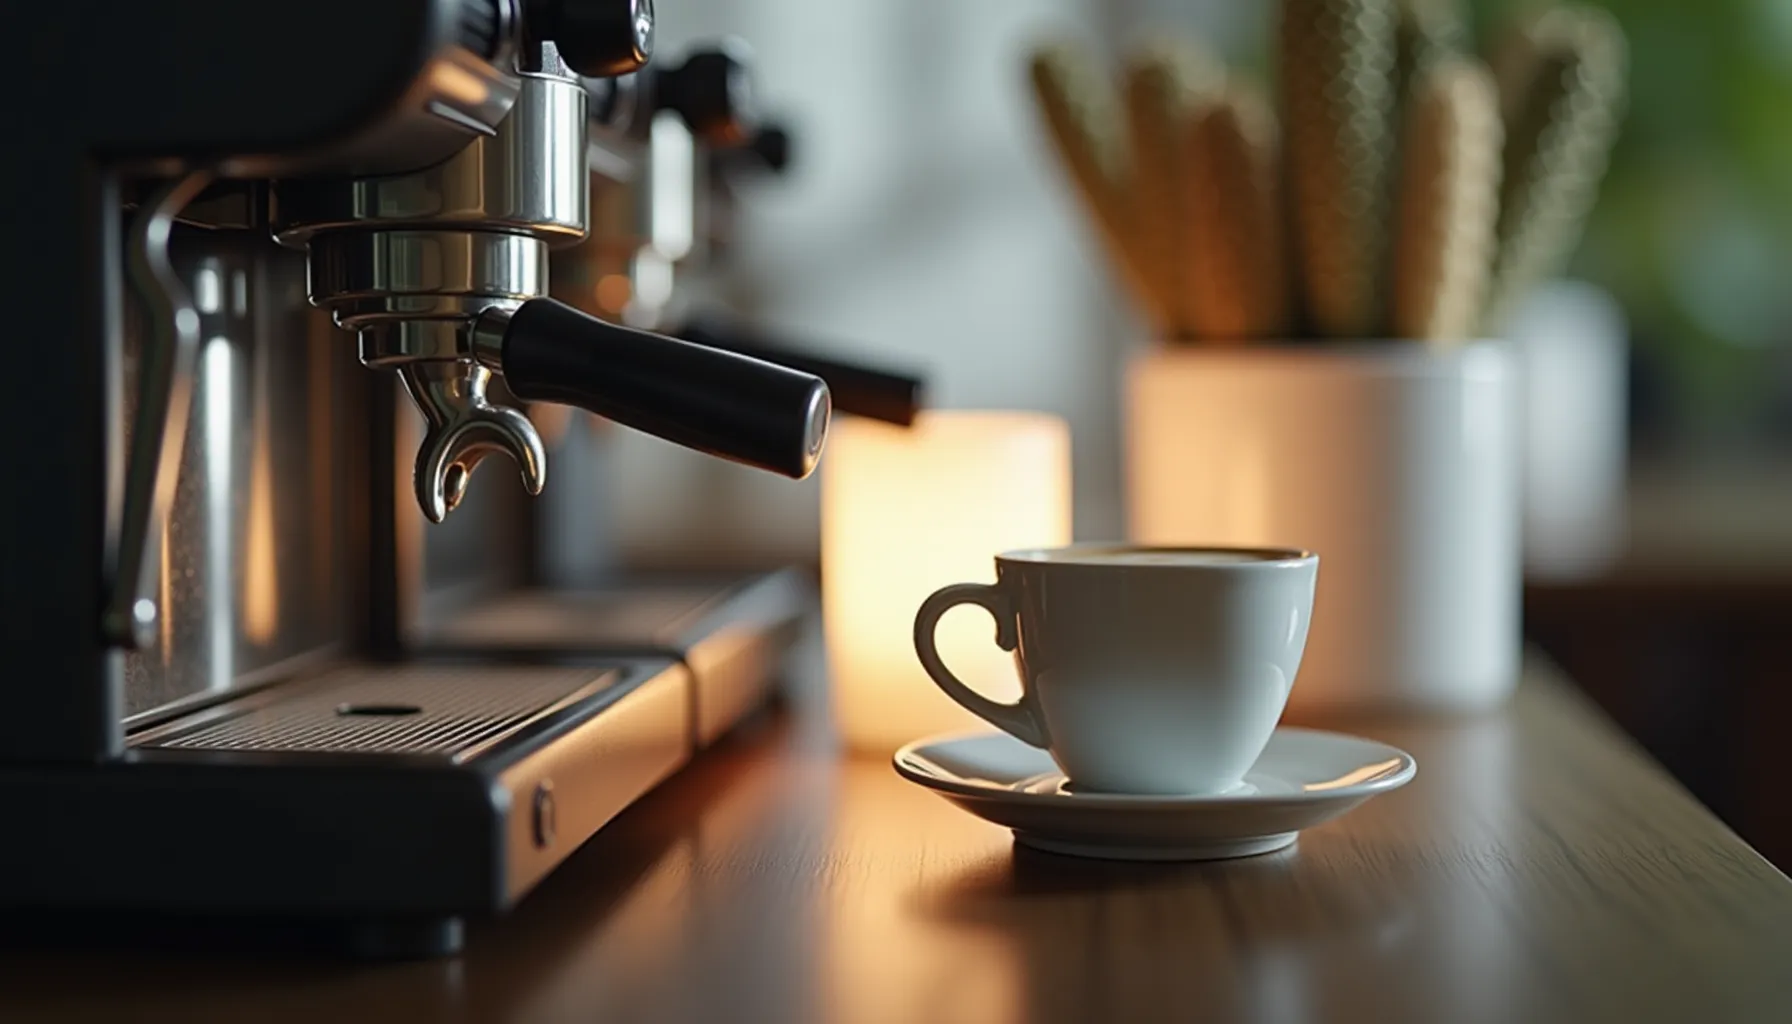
(428, 710)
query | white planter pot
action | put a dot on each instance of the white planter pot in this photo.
(1395, 463)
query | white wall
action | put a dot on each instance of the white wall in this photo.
(924, 221)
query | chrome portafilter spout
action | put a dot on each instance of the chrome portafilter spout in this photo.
(465, 426)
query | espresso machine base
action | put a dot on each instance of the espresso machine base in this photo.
(388, 802)
(373, 808)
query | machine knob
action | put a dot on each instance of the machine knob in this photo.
(768, 151)
(712, 92)
(771, 145)
(596, 38)
(722, 403)
(610, 102)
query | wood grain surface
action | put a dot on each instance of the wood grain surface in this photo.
(1538, 869)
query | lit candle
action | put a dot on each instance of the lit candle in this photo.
(905, 512)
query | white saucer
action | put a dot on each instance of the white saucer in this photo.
(1304, 777)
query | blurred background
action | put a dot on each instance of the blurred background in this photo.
(925, 223)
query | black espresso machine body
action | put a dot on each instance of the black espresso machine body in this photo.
(290, 269)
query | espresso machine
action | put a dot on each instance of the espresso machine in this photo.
(294, 288)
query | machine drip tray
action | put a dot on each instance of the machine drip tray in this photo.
(385, 804)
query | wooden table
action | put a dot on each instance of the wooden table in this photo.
(1538, 869)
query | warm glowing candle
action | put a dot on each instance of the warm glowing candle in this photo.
(905, 512)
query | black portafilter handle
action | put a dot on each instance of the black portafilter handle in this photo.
(871, 392)
(722, 403)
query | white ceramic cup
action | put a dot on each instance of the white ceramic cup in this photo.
(1143, 670)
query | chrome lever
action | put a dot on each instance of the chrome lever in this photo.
(159, 431)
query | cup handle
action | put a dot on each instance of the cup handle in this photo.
(1017, 719)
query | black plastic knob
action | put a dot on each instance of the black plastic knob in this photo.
(878, 393)
(712, 91)
(726, 404)
(771, 145)
(767, 152)
(596, 38)
(610, 102)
